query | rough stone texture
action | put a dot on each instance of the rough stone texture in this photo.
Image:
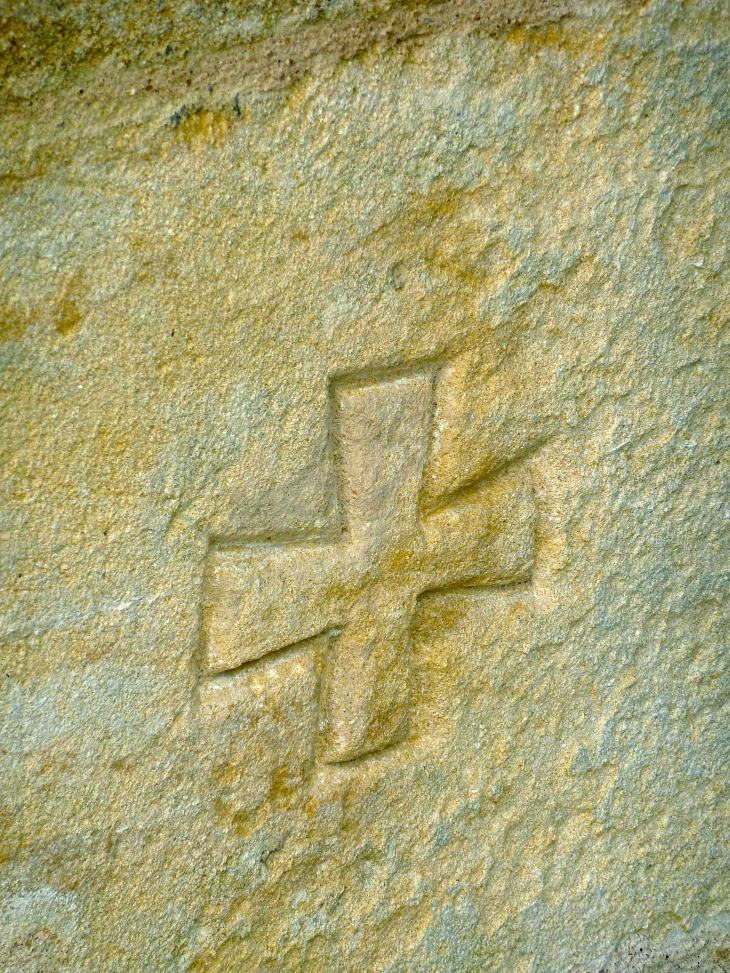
(512, 246)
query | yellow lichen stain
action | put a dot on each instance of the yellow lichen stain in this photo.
(533, 37)
(67, 313)
(202, 129)
(13, 323)
(283, 785)
(437, 616)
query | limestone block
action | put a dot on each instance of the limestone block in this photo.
(365, 508)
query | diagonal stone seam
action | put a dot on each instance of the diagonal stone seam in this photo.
(364, 581)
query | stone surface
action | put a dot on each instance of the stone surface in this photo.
(365, 488)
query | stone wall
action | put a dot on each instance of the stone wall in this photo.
(365, 487)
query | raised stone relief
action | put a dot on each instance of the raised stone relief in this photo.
(364, 486)
(362, 581)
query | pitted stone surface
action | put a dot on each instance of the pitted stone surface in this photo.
(337, 277)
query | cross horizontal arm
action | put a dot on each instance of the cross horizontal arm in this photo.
(262, 598)
(488, 537)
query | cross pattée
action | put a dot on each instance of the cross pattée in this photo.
(363, 584)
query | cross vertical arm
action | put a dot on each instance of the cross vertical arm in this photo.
(382, 436)
(366, 686)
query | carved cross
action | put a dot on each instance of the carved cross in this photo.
(364, 582)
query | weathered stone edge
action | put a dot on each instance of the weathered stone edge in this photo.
(48, 130)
